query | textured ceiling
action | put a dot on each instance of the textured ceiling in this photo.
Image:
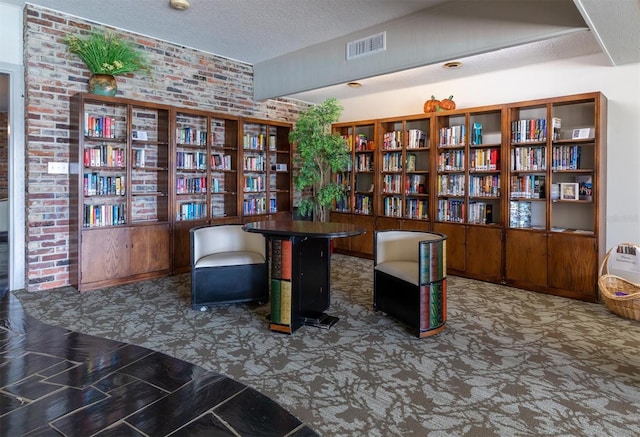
(259, 31)
(246, 30)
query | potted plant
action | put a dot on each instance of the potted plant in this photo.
(320, 154)
(106, 55)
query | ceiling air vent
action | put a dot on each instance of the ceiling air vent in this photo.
(367, 46)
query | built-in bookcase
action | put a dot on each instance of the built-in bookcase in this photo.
(518, 188)
(266, 168)
(555, 238)
(120, 172)
(192, 163)
(223, 164)
(144, 174)
(360, 203)
(405, 170)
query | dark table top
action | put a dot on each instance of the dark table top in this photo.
(302, 228)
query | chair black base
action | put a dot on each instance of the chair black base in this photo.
(229, 284)
(403, 301)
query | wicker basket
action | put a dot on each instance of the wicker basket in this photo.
(620, 295)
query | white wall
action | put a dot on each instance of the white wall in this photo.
(10, 34)
(621, 86)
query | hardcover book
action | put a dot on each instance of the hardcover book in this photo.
(285, 302)
(585, 187)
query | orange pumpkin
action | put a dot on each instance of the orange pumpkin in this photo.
(448, 104)
(431, 105)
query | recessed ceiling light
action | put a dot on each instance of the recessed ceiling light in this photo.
(180, 5)
(354, 84)
(452, 65)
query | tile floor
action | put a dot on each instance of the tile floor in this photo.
(57, 382)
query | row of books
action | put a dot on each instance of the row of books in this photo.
(451, 185)
(364, 163)
(343, 204)
(484, 159)
(484, 186)
(255, 163)
(255, 205)
(364, 204)
(191, 136)
(192, 160)
(97, 185)
(392, 140)
(392, 161)
(417, 209)
(565, 157)
(450, 210)
(99, 126)
(103, 215)
(392, 183)
(480, 213)
(191, 211)
(528, 158)
(520, 214)
(527, 186)
(221, 162)
(452, 136)
(415, 184)
(258, 141)
(417, 139)
(104, 156)
(194, 185)
(254, 184)
(529, 130)
(392, 206)
(451, 160)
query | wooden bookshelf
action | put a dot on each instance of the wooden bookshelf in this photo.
(489, 173)
(147, 173)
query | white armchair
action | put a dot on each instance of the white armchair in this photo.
(228, 265)
(409, 281)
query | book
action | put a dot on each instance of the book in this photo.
(275, 300)
(556, 124)
(276, 258)
(585, 187)
(569, 191)
(285, 302)
(476, 134)
(286, 260)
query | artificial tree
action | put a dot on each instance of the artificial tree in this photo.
(320, 154)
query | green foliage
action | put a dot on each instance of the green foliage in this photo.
(319, 154)
(107, 54)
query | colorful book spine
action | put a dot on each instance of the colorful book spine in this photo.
(276, 293)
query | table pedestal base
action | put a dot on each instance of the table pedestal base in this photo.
(320, 320)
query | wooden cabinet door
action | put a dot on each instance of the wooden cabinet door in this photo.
(526, 258)
(105, 254)
(573, 266)
(149, 247)
(456, 242)
(484, 253)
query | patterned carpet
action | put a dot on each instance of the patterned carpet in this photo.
(509, 362)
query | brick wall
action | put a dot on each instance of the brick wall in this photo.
(181, 77)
